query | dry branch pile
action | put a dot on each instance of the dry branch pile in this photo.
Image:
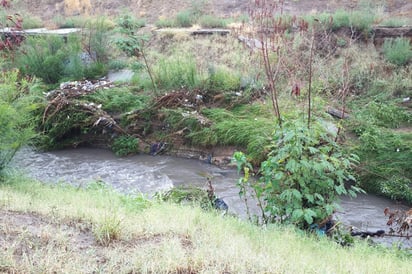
(69, 95)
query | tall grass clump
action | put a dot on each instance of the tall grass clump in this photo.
(210, 21)
(246, 127)
(398, 51)
(222, 79)
(165, 23)
(177, 72)
(185, 19)
(385, 154)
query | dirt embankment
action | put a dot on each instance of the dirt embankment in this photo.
(155, 9)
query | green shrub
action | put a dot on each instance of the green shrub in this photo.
(210, 21)
(127, 21)
(302, 177)
(398, 51)
(31, 22)
(96, 40)
(395, 22)
(49, 57)
(185, 19)
(117, 64)
(125, 145)
(165, 23)
(16, 120)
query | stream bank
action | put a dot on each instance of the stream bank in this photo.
(148, 174)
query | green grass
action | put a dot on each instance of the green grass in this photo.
(242, 127)
(64, 226)
(210, 21)
(398, 51)
(118, 100)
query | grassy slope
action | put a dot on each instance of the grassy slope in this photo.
(63, 229)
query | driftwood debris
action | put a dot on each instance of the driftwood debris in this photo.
(337, 113)
(381, 33)
(66, 95)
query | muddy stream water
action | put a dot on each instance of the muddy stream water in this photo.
(149, 174)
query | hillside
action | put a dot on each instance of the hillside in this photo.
(152, 10)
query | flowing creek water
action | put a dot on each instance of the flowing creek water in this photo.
(149, 174)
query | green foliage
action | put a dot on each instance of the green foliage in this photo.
(303, 175)
(53, 59)
(129, 41)
(127, 21)
(385, 154)
(395, 22)
(69, 21)
(186, 195)
(125, 145)
(118, 100)
(397, 188)
(176, 72)
(240, 127)
(16, 108)
(185, 19)
(398, 51)
(210, 21)
(361, 20)
(65, 124)
(165, 23)
(96, 41)
(108, 230)
(117, 64)
(132, 43)
(382, 114)
(44, 58)
(222, 79)
(31, 22)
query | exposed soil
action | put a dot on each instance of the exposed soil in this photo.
(30, 235)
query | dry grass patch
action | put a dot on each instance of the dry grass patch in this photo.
(45, 229)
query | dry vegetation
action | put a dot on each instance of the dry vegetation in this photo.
(155, 9)
(42, 230)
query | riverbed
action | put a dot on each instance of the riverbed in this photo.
(149, 174)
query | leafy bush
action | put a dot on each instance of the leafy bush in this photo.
(302, 177)
(398, 51)
(44, 58)
(125, 145)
